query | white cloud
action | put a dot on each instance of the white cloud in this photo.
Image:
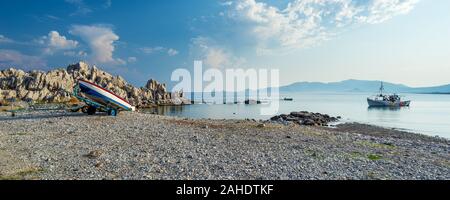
(132, 59)
(213, 55)
(75, 54)
(120, 61)
(45, 18)
(100, 40)
(82, 8)
(226, 3)
(82, 53)
(107, 4)
(4, 39)
(52, 17)
(70, 53)
(54, 42)
(159, 49)
(75, 1)
(216, 57)
(151, 50)
(382, 10)
(305, 23)
(12, 58)
(172, 52)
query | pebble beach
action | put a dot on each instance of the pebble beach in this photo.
(54, 145)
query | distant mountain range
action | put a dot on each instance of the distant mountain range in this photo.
(361, 86)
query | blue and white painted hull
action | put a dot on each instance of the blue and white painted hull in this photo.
(103, 96)
(380, 103)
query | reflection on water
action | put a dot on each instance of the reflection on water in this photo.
(165, 110)
(385, 108)
(385, 114)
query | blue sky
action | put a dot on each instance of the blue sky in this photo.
(402, 41)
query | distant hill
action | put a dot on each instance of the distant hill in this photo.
(360, 86)
(444, 89)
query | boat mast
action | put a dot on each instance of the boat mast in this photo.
(381, 88)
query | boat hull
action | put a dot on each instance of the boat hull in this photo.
(379, 103)
(103, 96)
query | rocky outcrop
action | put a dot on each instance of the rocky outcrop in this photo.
(57, 86)
(305, 118)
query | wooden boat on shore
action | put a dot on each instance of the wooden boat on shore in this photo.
(98, 98)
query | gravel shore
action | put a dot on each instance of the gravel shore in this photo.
(63, 145)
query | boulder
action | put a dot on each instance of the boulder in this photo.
(304, 118)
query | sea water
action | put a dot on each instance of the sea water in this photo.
(428, 113)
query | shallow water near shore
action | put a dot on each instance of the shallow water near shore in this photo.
(428, 114)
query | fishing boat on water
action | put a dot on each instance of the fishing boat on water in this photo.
(386, 100)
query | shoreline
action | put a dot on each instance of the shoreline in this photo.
(330, 124)
(336, 124)
(385, 131)
(63, 145)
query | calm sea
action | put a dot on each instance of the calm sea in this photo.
(428, 114)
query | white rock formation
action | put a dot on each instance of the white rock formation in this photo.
(57, 85)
